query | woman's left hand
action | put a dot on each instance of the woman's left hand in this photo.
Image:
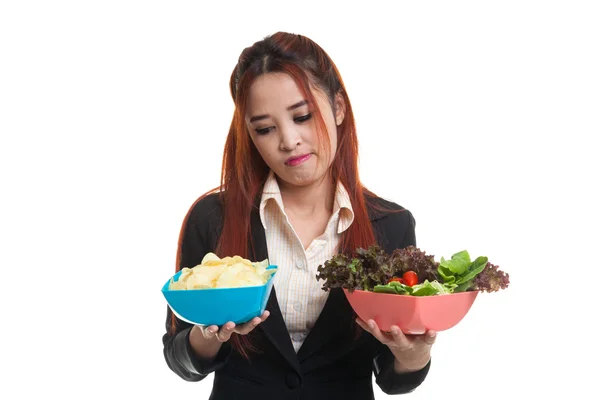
(412, 352)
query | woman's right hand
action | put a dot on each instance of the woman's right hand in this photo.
(224, 334)
(207, 340)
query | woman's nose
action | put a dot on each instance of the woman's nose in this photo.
(290, 138)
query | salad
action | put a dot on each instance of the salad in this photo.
(410, 271)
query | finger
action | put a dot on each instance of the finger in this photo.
(429, 337)
(379, 335)
(248, 326)
(363, 325)
(265, 315)
(209, 332)
(225, 332)
(400, 338)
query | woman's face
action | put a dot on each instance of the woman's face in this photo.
(284, 131)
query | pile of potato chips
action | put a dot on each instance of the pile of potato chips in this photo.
(228, 272)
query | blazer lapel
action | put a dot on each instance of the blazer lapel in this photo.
(274, 326)
(333, 324)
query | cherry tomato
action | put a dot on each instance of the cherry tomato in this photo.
(410, 278)
(396, 279)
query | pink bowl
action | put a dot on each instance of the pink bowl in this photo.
(412, 314)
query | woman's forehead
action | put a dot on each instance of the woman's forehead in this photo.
(275, 92)
(273, 87)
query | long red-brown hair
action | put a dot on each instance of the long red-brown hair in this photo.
(244, 171)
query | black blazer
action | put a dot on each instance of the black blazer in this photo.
(331, 364)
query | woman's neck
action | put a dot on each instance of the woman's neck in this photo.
(307, 201)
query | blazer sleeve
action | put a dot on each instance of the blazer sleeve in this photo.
(399, 231)
(198, 238)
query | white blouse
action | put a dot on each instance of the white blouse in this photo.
(300, 296)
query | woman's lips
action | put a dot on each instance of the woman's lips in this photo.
(293, 161)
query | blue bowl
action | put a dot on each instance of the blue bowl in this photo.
(217, 306)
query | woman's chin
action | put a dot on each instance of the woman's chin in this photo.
(299, 178)
(299, 182)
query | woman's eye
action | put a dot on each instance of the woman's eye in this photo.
(303, 118)
(263, 131)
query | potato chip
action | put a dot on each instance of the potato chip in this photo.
(238, 259)
(210, 257)
(227, 272)
(179, 285)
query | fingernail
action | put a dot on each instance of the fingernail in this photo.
(212, 330)
(395, 331)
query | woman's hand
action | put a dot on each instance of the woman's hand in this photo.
(207, 340)
(412, 352)
(224, 334)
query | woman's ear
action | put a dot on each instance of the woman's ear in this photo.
(340, 109)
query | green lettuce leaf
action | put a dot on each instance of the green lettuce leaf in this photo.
(446, 274)
(474, 269)
(458, 263)
(426, 289)
(393, 288)
(443, 288)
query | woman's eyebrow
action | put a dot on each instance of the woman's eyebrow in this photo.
(290, 108)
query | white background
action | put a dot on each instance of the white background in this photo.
(480, 117)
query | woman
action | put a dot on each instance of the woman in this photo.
(290, 191)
